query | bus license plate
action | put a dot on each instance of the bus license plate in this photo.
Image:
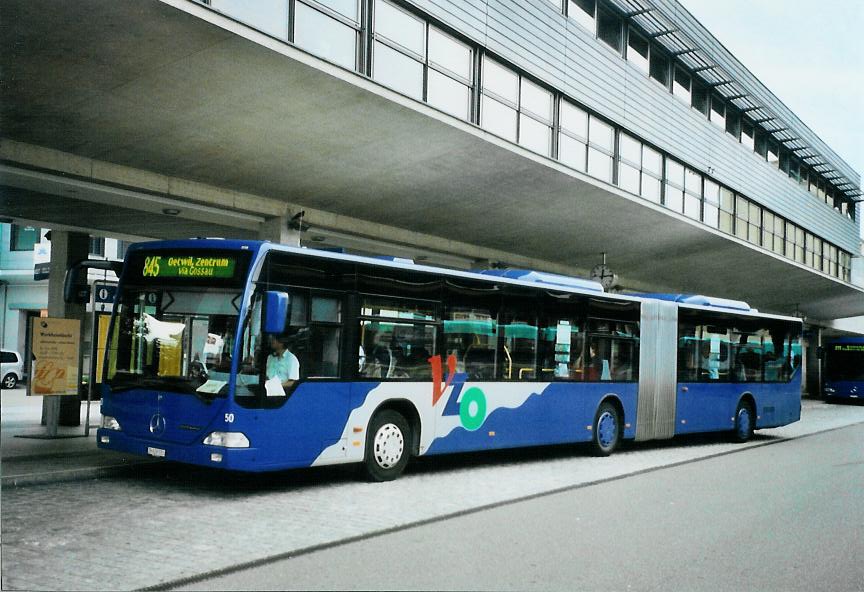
(158, 452)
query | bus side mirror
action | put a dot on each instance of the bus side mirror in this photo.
(75, 293)
(277, 307)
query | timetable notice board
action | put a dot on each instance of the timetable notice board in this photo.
(56, 351)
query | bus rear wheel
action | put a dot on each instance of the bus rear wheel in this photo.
(606, 430)
(745, 422)
(387, 446)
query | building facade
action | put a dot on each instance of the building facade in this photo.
(634, 93)
(534, 133)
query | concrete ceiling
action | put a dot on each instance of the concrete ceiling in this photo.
(155, 89)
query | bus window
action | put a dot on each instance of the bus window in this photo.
(397, 337)
(470, 334)
(612, 353)
(747, 357)
(517, 340)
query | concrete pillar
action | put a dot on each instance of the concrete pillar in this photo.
(283, 230)
(66, 248)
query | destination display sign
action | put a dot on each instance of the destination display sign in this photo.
(848, 347)
(188, 266)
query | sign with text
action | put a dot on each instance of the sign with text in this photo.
(56, 345)
(188, 266)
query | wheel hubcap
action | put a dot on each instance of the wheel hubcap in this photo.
(607, 429)
(388, 446)
(9, 382)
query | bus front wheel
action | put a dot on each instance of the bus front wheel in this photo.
(387, 446)
(607, 430)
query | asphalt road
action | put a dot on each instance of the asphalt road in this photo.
(783, 517)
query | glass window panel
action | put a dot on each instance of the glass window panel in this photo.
(500, 80)
(324, 36)
(599, 165)
(753, 233)
(659, 68)
(582, 11)
(761, 144)
(773, 154)
(448, 95)
(534, 135)
(24, 238)
(498, 118)
(718, 112)
(755, 213)
(536, 100)
(727, 199)
(674, 198)
(601, 134)
(269, 16)
(692, 207)
(733, 124)
(572, 152)
(628, 178)
(681, 86)
(674, 172)
(630, 149)
(651, 188)
(348, 8)
(741, 207)
(700, 99)
(747, 138)
(326, 309)
(574, 120)
(693, 182)
(398, 71)
(637, 51)
(400, 27)
(652, 161)
(740, 228)
(609, 29)
(448, 53)
(712, 192)
(710, 215)
(725, 222)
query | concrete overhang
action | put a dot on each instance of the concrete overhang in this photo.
(174, 90)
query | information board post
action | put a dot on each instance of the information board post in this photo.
(56, 348)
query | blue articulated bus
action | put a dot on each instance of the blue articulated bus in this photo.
(256, 357)
(843, 372)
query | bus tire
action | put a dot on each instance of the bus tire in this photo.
(388, 446)
(745, 422)
(606, 430)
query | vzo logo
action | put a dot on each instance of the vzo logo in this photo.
(470, 406)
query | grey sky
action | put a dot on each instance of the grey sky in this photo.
(809, 54)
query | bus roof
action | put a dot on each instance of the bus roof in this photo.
(701, 300)
(520, 277)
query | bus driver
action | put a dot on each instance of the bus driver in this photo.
(281, 364)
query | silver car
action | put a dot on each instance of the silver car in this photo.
(11, 369)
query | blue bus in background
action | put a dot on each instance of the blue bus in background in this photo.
(843, 371)
(252, 356)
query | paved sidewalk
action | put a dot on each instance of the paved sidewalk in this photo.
(71, 457)
(169, 526)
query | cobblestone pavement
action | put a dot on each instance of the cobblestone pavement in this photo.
(168, 524)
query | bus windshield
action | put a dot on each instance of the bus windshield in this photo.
(844, 362)
(177, 339)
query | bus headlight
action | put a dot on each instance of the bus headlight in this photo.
(227, 439)
(109, 423)
(829, 390)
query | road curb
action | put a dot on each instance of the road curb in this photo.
(77, 474)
